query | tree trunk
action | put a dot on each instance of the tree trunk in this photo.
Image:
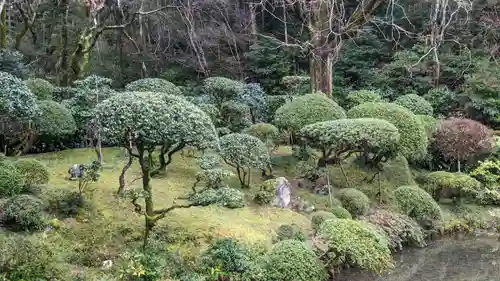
(121, 179)
(321, 72)
(148, 199)
(65, 44)
(3, 26)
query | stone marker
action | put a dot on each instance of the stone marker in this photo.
(282, 192)
(76, 171)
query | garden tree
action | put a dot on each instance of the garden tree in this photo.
(358, 97)
(235, 116)
(269, 135)
(296, 85)
(153, 85)
(244, 152)
(142, 121)
(88, 94)
(417, 104)
(442, 100)
(255, 98)
(305, 110)
(222, 89)
(413, 139)
(41, 88)
(460, 139)
(355, 243)
(13, 62)
(328, 24)
(18, 107)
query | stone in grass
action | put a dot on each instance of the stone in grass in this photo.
(282, 192)
(76, 171)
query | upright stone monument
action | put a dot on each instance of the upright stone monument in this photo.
(282, 192)
(76, 171)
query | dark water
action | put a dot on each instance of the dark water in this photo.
(445, 260)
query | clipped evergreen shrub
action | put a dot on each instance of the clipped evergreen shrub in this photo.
(157, 85)
(340, 212)
(358, 97)
(354, 201)
(55, 119)
(11, 181)
(318, 218)
(417, 104)
(290, 231)
(418, 204)
(33, 171)
(223, 197)
(41, 88)
(266, 193)
(442, 184)
(228, 255)
(24, 212)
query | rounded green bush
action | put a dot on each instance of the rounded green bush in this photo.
(290, 232)
(242, 150)
(415, 103)
(224, 197)
(156, 85)
(413, 139)
(228, 254)
(266, 193)
(442, 99)
(264, 132)
(55, 119)
(222, 89)
(293, 260)
(340, 212)
(33, 171)
(11, 181)
(400, 230)
(357, 244)
(354, 201)
(355, 98)
(41, 88)
(24, 212)
(429, 123)
(235, 115)
(212, 111)
(442, 184)
(318, 218)
(418, 204)
(305, 110)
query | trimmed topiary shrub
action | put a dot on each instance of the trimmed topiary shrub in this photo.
(417, 104)
(413, 139)
(16, 100)
(41, 88)
(429, 123)
(293, 260)
(273, 103)
(305, 110)
(55, 119)
(33, 171)
(340, 212)
(64, 202)
(24, 212)
(356, 244)
(265, 132)
(355, 98)
(212, 111)
(255, 98)
(354, 201)
(290, 232)
(222, 89)
(224, 197)
(318, 218)
(235, 116)
(442, 100)
(11, 181)
(266, 193)
(460, 139)
(442, 184)
(400, 230)
(226, 254)
(418, 204)
(244, 152)
(156, 85)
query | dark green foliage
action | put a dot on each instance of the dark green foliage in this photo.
(429, 123)
(305, 110)
(355, 98)
(223, 197)
(41, 88)
(222, 89)
(443, 184)
(417, 104)
(442, 100)
(235, 116)
(413, 139)
(318, 218)
(254, 97)
(12, 62)
(293, 260)
(290, 232)
(153, 85)
(418, 204)
(267, 133)
(400, 230)
(340, 212)
(273, 103)
(357, 244)
(228, 255)
(24, 212)
(33, 171)
(16, 100)
(55, 119)
(212, 111)
(64, 202)
(354, 201)
(266, 193)
(31, 258)
(11, 181)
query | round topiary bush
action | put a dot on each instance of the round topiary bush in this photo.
(224, 197)
(235, 115)
(24, 212)
(153, 85)
(415, 103)
(429, 123)
(293, 260)
(11, 181)
(55, 119)
(41, 88)
(16, 99)
(318, 218)
(357, 244)
(212, 111)
(305, 110)
(228, 255)
(355, 98)
(418, 204)
(222, 89)
(33, 171)
(413, 139)
(340, 212)
(290, 232)
(266, 193)
(442, 184)
(354, 201)
(400, 230)
(265, 132)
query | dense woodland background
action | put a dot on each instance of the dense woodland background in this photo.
(398, 47)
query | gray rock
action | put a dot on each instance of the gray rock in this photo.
(76, 171)
(282, 192)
